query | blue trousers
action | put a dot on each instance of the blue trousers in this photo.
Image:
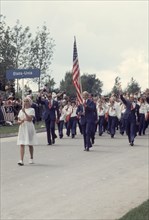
(50, 128)
(142, 123)
(71, 126)
(60, 128)
(112, 120)
(101, 124)
(131, 129)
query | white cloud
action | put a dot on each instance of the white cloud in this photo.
(134, 65)
(112, 36)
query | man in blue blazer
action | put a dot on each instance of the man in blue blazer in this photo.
(86, 113)
(50, 115)
(130, 116)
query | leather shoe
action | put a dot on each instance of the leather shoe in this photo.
(131, 144)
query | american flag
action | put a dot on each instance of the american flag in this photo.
(76, 74)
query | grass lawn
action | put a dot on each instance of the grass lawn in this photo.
(139, 213)
(14, 129)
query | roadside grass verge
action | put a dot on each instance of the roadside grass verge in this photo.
(8, 129)
(139, 213)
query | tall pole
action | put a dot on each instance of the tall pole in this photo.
(17, 86)
(22, 89)
(39, 79)
(39, 84)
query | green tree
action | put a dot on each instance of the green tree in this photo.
(67, 85)
(133, 87)
(21, 41)
(21, 38)
(91, 84)
(49, 82)
(41, 53)
(116, 84)
(13, 49)
(19, 50)
(7, 51)
(26, 88)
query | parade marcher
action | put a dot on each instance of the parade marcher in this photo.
(68, 110)
(105, 101)
(147, 118)
(27, 133)
(113, 116)
(94, 128)
(131, 116)
(122, 120)
(86, 113)
(78, 118)
(101, 110)
(61, 120)
(50, 115)
(142, 116)
(72, 123)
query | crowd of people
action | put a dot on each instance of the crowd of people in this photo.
(129, 114)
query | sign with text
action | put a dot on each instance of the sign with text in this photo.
(22, 73)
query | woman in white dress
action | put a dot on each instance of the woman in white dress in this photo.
(27, 133)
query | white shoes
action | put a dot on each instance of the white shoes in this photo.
(31, 161)
(20, 163)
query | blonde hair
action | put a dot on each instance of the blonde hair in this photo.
(28, 99)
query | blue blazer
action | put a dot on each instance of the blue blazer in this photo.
(79, 112)
(90, 111)
(87, 114)
(50, 113)
(130, 114)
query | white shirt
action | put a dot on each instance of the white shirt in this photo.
(74, 109)
(101, 110)
(143, 109)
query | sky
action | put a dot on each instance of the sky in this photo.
(111, 36)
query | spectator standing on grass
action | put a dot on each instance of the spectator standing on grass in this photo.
(17, 105)
(2, 121)
(9, 110)
(27, 133)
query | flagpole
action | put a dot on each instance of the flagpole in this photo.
(80, 77)
(80, 72)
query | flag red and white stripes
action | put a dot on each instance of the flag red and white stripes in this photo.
(76, 74)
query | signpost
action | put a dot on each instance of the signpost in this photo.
(22, 74)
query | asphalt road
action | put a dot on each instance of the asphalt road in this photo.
(68, 183)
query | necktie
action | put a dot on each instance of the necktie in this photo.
(50, 104)
(132, 106)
